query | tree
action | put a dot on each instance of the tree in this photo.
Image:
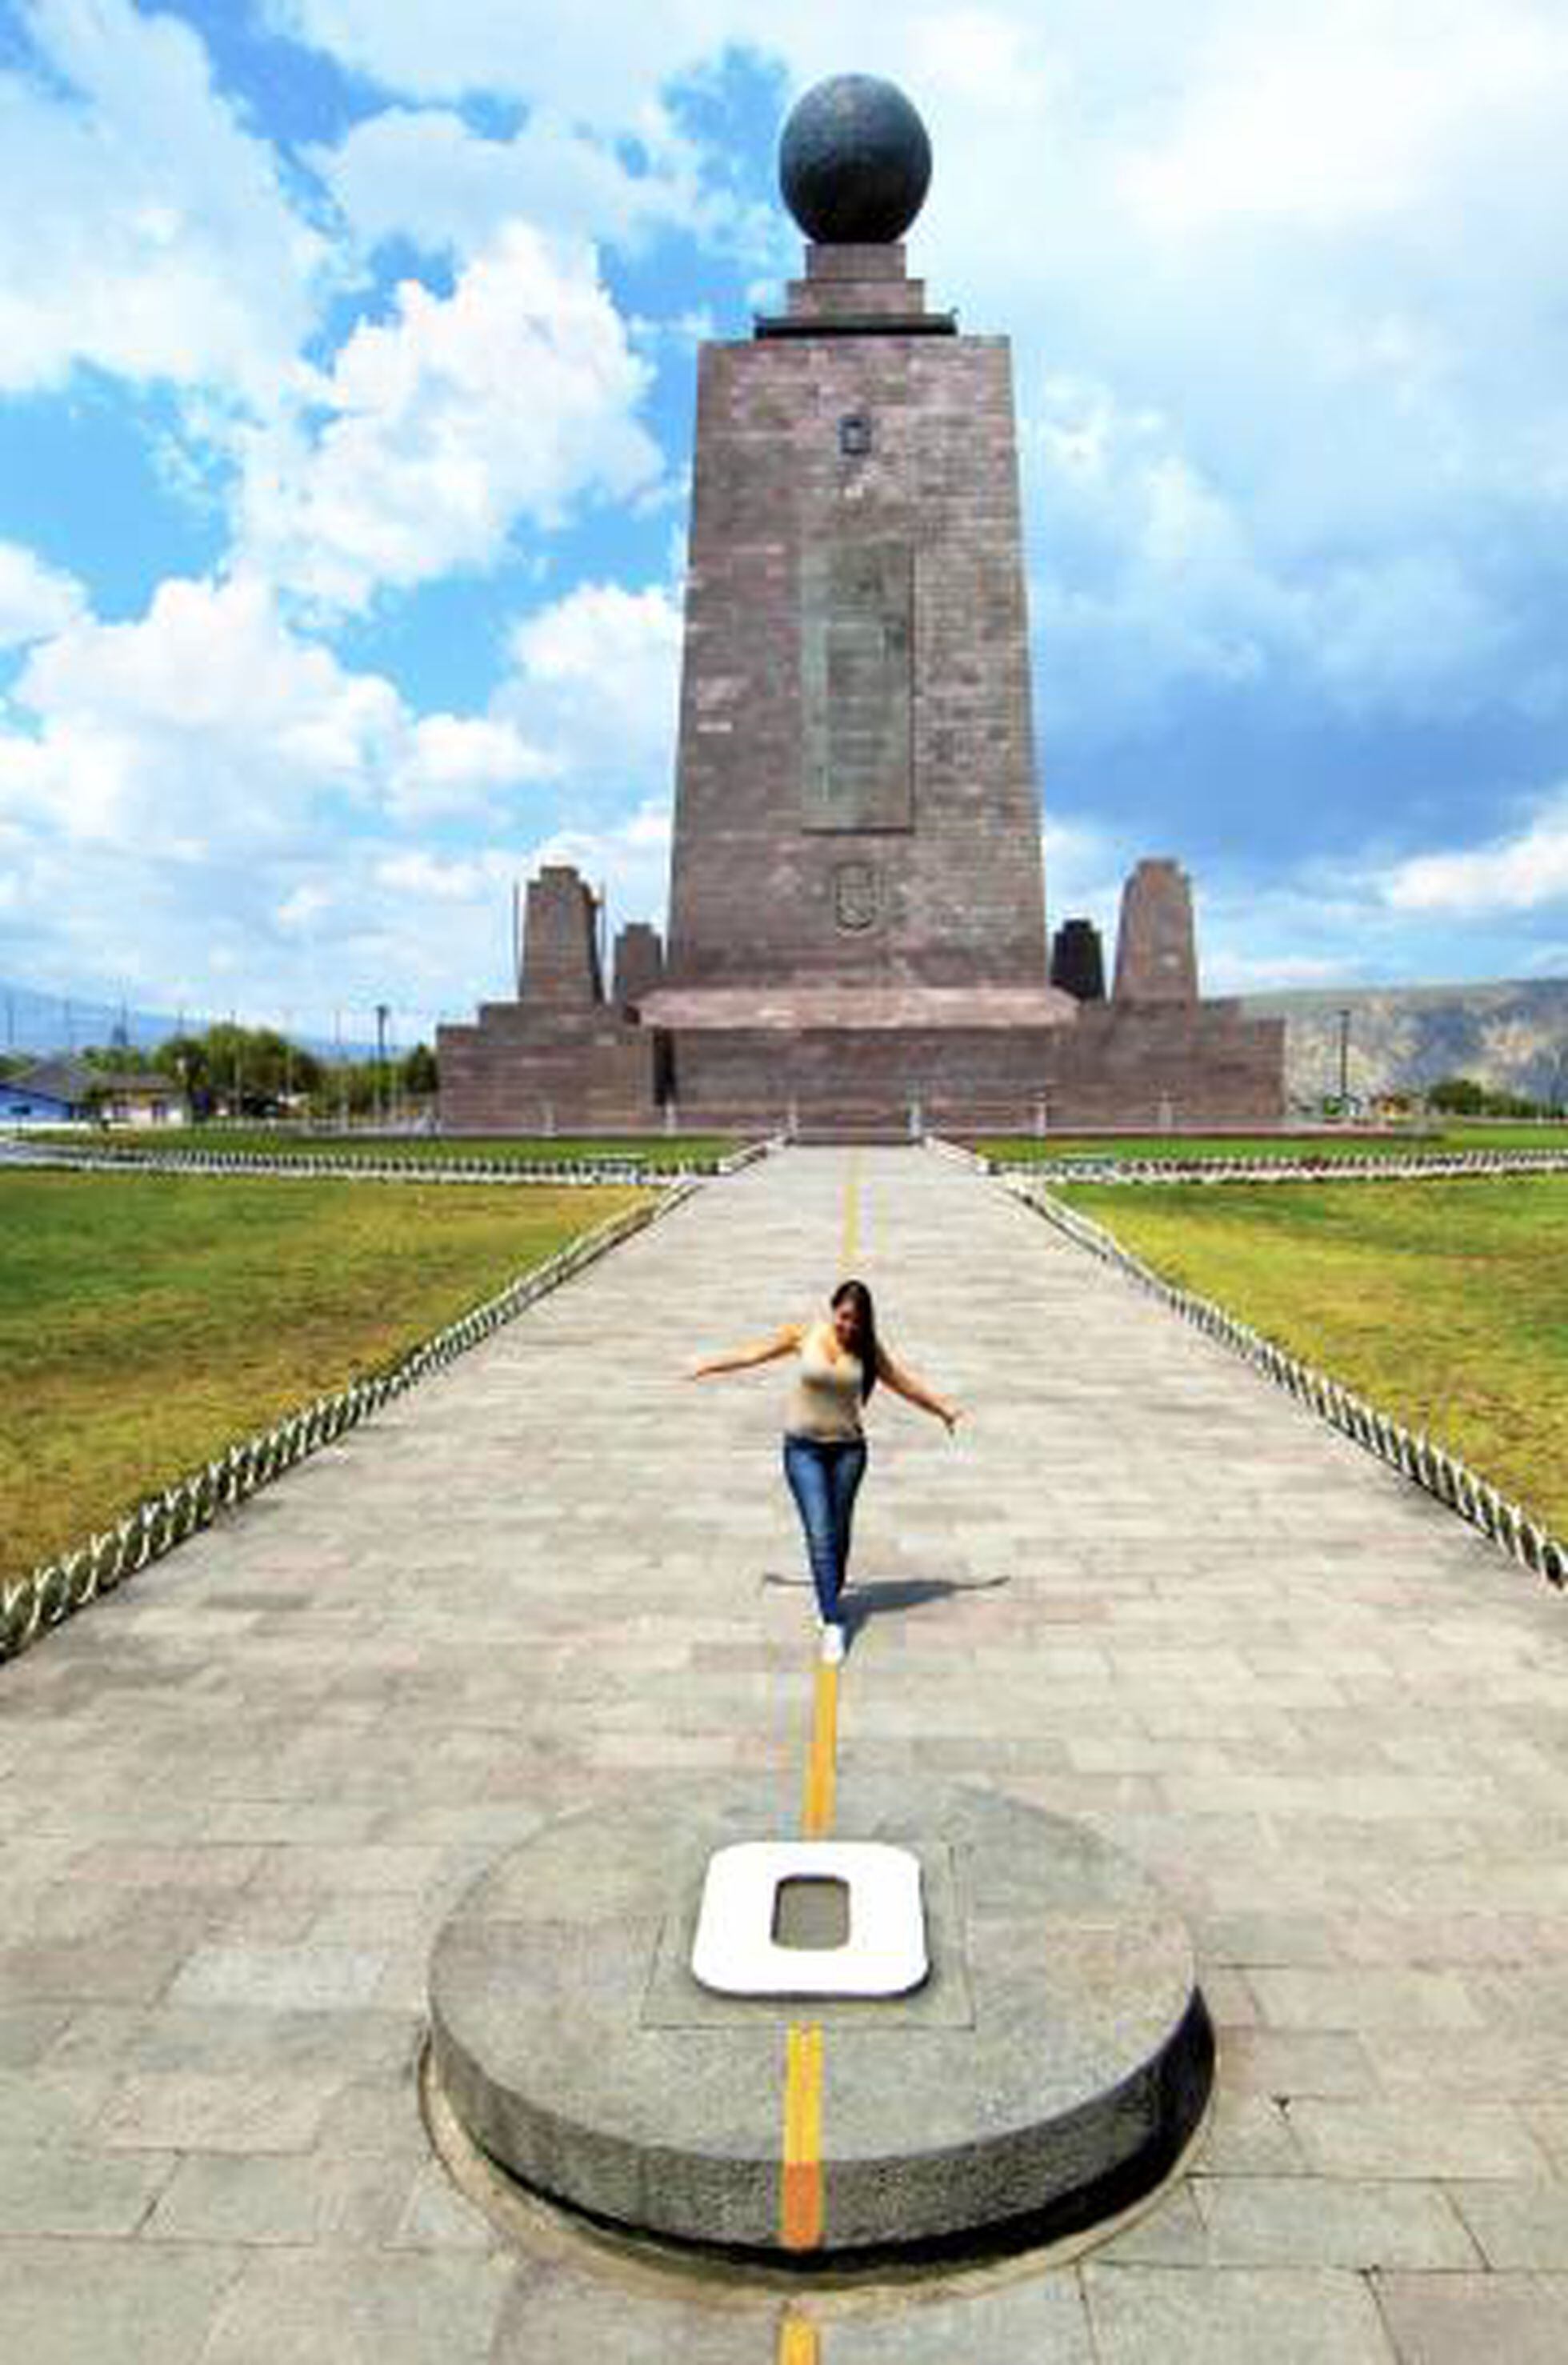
(249, 1071)
(115, 1059)
(1457, 1096)
(419, 1074)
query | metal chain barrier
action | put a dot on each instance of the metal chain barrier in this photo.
(57, 1589)
(1413, 1453)
(288, 1165)
(1415, 1167)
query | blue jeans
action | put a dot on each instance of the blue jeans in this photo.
(824, 1479)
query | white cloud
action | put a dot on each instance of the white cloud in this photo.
(1523, 873)
(595, 679)
(207, 793)
(144, 230)
(426, 174)
(1154, 579)
(513, 398)
(35, 599)
(211, 722)
(596, 63)
(206, 722)
(468, 880)
(1346, 118)
(458, 763)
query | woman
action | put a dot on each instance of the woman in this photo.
(824, 1447)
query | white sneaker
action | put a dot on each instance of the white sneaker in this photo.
(832, 1645)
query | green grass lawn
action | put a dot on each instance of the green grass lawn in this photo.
(1024, 1149)
(1444, 1303)
(659, 1150)
(146, 1322)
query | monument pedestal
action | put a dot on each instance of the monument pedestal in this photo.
(1049, 2072)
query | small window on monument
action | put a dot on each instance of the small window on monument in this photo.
(854, 435)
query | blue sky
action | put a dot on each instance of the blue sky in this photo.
(347, 356)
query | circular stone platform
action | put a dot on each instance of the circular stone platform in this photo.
(1049, 2072)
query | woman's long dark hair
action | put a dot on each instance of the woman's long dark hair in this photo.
(864, 1342)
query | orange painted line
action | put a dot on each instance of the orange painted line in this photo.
(822, 1766)
(851, 1243)
(798, 2342)
(802, 2210)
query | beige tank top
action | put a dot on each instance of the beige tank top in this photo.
(824, 1403)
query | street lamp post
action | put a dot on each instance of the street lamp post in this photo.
(382, 1014)
(1344, 1062)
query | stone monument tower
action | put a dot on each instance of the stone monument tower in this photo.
(856, 933)
(1157, 956)
(857, 763)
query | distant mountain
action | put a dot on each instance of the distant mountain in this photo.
(1512, 1037)
(47, 1022)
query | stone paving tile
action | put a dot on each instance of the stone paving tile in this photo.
(343, 2309)
(1290, 2064)
(320, 1977)
(1517, 2224)
(323, 2198)
(1042, 2320)
(189, 2111)
(61, 2188)
(1172, 2233)
(1347, 1998)
(1297, 2221)
(28, 2030)
(1435, 2138)
(1467, 2319)
(1154, 2316)
(72, 2302)
(1250, 2135)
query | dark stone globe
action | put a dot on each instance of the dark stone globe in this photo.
(854, 163)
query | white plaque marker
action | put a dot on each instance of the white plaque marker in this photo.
(737, 1950)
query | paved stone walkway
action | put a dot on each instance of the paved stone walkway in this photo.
(238, 1797)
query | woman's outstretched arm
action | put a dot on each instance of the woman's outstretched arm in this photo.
(915, 1392)
(767, 1351)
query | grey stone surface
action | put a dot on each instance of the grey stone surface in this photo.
(1300, 2221)
(1516, 2225)
(1152, 2315)
(1058, 2042)
(350, 2310)
(540, 1580)
(67, 2302)
(1461, 2319)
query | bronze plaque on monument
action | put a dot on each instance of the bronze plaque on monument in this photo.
(857, 685)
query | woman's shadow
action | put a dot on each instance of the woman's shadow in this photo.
(881, 1597)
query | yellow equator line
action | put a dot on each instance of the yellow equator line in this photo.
(798, 2342)
(822, 1766)
(802, 2209)
(851, 1237)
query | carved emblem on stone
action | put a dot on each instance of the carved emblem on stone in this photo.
(857, 898)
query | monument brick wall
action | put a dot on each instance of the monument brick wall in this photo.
(1157, 957)
(639, 964)
(560, 1058)
(560, 944)
(1078, 960)
(856, 767)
